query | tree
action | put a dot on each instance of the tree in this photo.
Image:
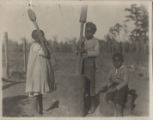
(113, 38)
(139, 16)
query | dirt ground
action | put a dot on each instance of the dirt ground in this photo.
(65, 100)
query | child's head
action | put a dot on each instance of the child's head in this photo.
(36, 33)
(117, 60)
(90, 30)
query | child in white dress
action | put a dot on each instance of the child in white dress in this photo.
(40, 75)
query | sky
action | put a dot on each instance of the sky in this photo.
(59, 19)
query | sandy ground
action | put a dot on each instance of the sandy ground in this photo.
(65, 100)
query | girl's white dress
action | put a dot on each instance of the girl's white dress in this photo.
(40, 74)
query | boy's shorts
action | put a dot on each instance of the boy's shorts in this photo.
(119, 96)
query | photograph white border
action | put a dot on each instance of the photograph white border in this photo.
(150, 117)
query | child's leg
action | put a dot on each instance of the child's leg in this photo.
(40, 103)
(35, 105)
(118, 110)
(92, 96)
(111, 103)
(120, 100)
(87, 87)
(86, 94)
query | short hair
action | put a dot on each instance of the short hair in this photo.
(35, 33)
(92, 25)
(118, 55)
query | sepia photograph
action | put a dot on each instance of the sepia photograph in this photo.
(76, 58)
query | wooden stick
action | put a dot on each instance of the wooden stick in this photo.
(32, 17)
(83, 17)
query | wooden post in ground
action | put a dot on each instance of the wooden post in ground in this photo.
(25, 54)
(6, 55)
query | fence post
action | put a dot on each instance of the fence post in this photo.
(25, 54)
(6, 55)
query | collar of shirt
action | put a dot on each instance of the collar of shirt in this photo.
(119, 69)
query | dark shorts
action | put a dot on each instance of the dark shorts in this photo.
(119, 96)
(88, 71)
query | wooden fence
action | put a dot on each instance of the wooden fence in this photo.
(21, 52)
(11, 53)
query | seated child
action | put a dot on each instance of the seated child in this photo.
(117, 85)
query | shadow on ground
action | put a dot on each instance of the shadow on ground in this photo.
(10, 83)
(12, 106)
(53, 106)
